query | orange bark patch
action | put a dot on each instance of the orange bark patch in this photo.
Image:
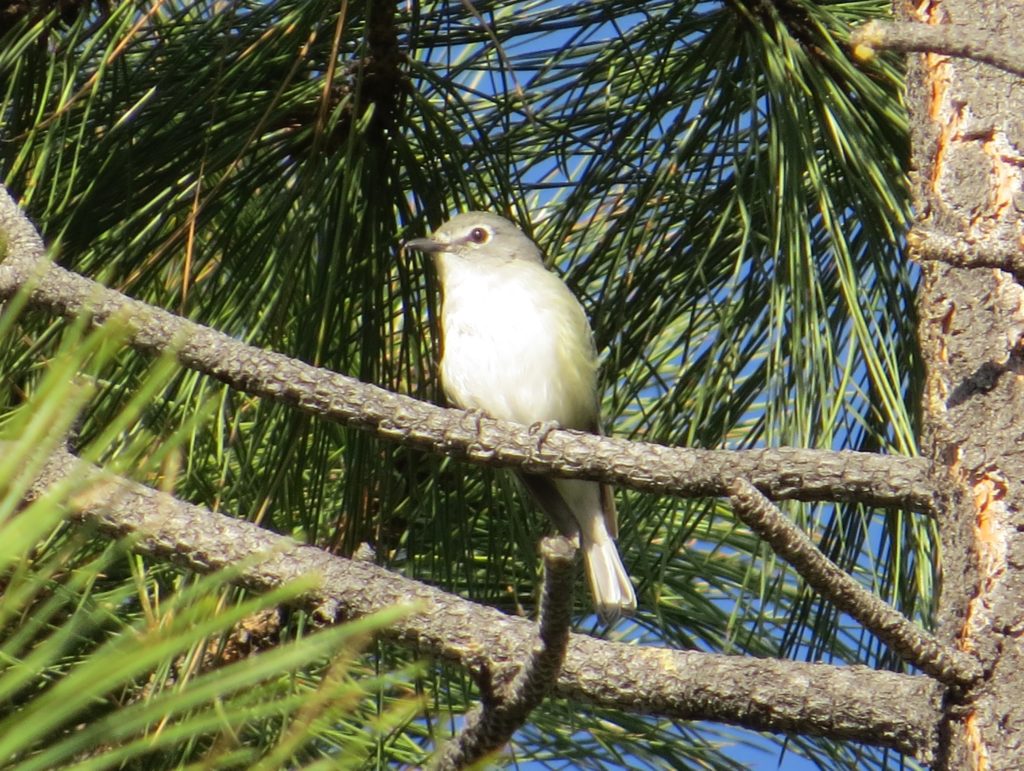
(946, 324)
(989, 493)
(1006, 169)
(990, 513)
(979, 754)
(937, 76)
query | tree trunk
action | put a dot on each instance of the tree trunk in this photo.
(967, 122)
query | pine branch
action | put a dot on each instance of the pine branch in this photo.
(962, 251)
(784, 473)
(912, 643)
(855, 702)
(489, 726)
(960, 40)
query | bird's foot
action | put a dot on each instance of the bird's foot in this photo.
(542, 429)
(476, 415)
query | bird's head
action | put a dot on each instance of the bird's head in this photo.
(479, 235)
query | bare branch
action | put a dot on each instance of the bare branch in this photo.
(914, 644)
(857, 703)
(958, 40)
(962, 251)
(490, 725)
(800, 474)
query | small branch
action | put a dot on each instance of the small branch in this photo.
(912, 643)
(958, 40)
(963, 252)
(869, 478)
(490, 726)
(883, 709)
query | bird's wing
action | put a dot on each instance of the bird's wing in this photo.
(551, 502)
(611, 517)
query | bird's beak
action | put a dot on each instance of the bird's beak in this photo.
(424, 245)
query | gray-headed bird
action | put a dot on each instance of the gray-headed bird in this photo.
(516, 345)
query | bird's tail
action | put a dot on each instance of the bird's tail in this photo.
(586, 510)
(609, 583)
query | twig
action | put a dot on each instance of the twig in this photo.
(883, 709)
(912, 643)
(869, 478)
(960, 40)
(962, 251)
(490, 725)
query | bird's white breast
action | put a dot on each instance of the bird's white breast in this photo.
(517, 344)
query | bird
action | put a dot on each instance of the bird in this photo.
(516, 345)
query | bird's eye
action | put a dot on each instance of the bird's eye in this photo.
(479, 235)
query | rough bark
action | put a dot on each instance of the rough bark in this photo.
(968, 141)
(784, 472)
(842, 702)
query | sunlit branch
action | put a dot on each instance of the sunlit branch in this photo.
(854, 702)
(503, 710)
(911, 642)
(958, 40)
(802, 474)
(962, 251)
